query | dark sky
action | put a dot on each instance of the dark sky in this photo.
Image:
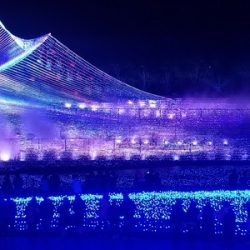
(167, 47)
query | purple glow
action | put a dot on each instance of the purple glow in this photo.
(5, 156)
(53, 100)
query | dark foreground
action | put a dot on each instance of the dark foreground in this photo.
(116, 242)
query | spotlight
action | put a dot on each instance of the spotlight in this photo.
(82, 105)
(94, 107)
(67, 105)
(146, 112)
(133, 140)
(142, 103)
(245, 156)
(195, 142)
(176, 157)
(183, 115)
(127, 156)
(157, 113)
(210, 143)
(225, 142)
(93, 155)
(152, 104)
(5, 156)
(179, 143)
(166, 142)
(146, 141)
(121, 111)
(130, 102)
(171, 116)
(118, 140)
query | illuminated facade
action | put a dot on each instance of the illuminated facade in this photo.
(53, 100)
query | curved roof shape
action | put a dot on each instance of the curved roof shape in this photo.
(13, 49)
(45, 70)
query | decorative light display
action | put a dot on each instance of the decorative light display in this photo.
(176, 157)
(84, 110)
(118, 140)
(82, 105)
(68, 105)
(20, 217)
(152, 210)
(5, 156)
(57, 201)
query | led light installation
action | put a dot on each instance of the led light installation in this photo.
(53, 100)
(153, 211)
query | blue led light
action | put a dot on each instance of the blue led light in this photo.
(152, 212)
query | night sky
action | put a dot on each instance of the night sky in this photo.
(172, 48)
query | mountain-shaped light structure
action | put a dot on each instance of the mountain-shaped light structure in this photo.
(51, 99)
(45, 65)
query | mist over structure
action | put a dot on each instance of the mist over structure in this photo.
(52, 100)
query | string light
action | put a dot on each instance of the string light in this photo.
(153, 210)
(44, 76)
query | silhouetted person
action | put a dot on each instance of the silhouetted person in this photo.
(79, 210)
(114, 215)
(233, 179)
(7, 215)
(111, 180)
(102, 181)
(228, 221)
(7, 187)
(104, 211)
(54, 183)
(128, 211)
(95, 181)
(3, 222)
(149, 179)
(46, 214)
(44, 186)
(65, 216)
(33, 215)
(207, 221)
(192, 218)
(177, 217)
(243, 180)
(248, 217)
(138, 181)
(90, 181)
(18, 184)
(156, 181)
(76, 185)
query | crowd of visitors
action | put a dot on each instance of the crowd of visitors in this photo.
(40, 216)
(119, 180)
(72, 217)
